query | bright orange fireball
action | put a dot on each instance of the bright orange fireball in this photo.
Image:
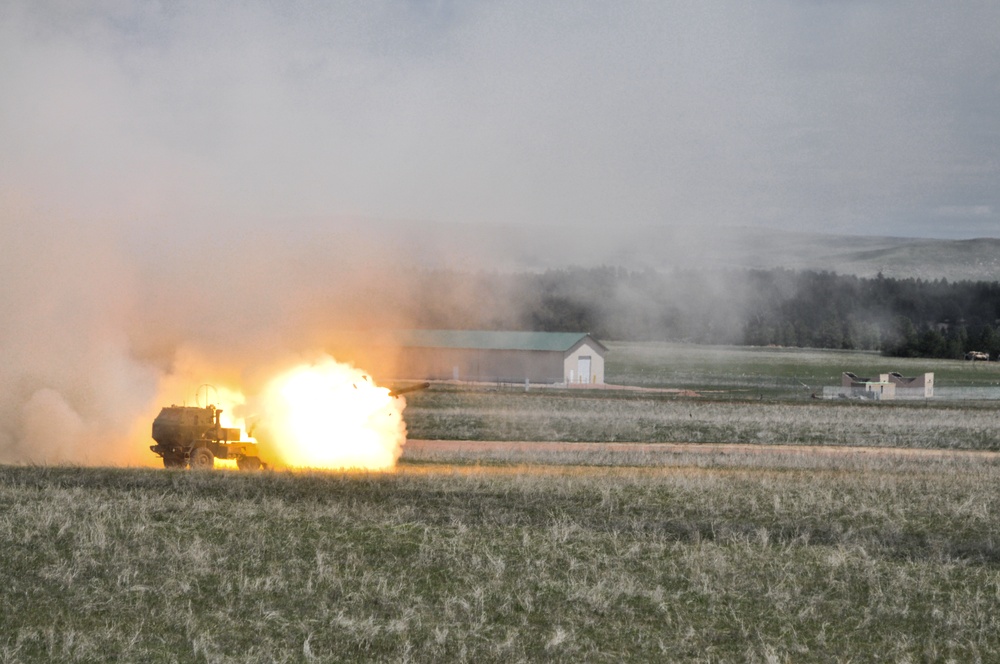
(330, 415)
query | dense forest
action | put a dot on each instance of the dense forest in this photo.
(902, 317)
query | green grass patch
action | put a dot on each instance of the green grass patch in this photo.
(774, 371)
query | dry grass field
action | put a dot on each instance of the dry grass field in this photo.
(535, 556)
(580, 416)
(868, 561)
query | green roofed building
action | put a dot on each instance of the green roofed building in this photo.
(482, 356)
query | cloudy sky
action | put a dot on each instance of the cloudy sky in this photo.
(855, 116)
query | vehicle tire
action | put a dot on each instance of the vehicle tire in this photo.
(248, 463)
(202, 459)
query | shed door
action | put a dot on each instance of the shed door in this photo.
(583, 364)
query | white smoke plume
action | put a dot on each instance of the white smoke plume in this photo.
(70, 388)
(99, 330)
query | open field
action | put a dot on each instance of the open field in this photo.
(719, 537)
(502, 563)
(741, 395)
(693, 455)
(585, 416)
(743, 371)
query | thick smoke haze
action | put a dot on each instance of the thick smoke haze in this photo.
(860, 117)
(195, 192)
(97, 336)
(69, 389)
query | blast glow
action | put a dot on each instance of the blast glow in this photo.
(228, 401)
(330, 415)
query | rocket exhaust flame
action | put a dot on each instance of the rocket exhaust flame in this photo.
(329, 415)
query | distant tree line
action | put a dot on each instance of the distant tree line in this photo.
(900, 317)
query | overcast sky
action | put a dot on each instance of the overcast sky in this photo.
(872, 117)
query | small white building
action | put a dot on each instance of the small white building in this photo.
(573, 358)
(886, 386)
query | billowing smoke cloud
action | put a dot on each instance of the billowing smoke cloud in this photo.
(98, 332)
(196, 192)
(70, 388)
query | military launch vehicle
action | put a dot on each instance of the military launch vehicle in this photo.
(191, 436)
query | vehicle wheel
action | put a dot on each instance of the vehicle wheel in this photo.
(202, 459)
(173, 462)
(248, 463)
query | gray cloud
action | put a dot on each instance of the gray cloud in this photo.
(824, 115)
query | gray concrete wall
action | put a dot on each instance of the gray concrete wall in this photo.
(481, 365)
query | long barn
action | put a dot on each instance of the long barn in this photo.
(482, 356)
